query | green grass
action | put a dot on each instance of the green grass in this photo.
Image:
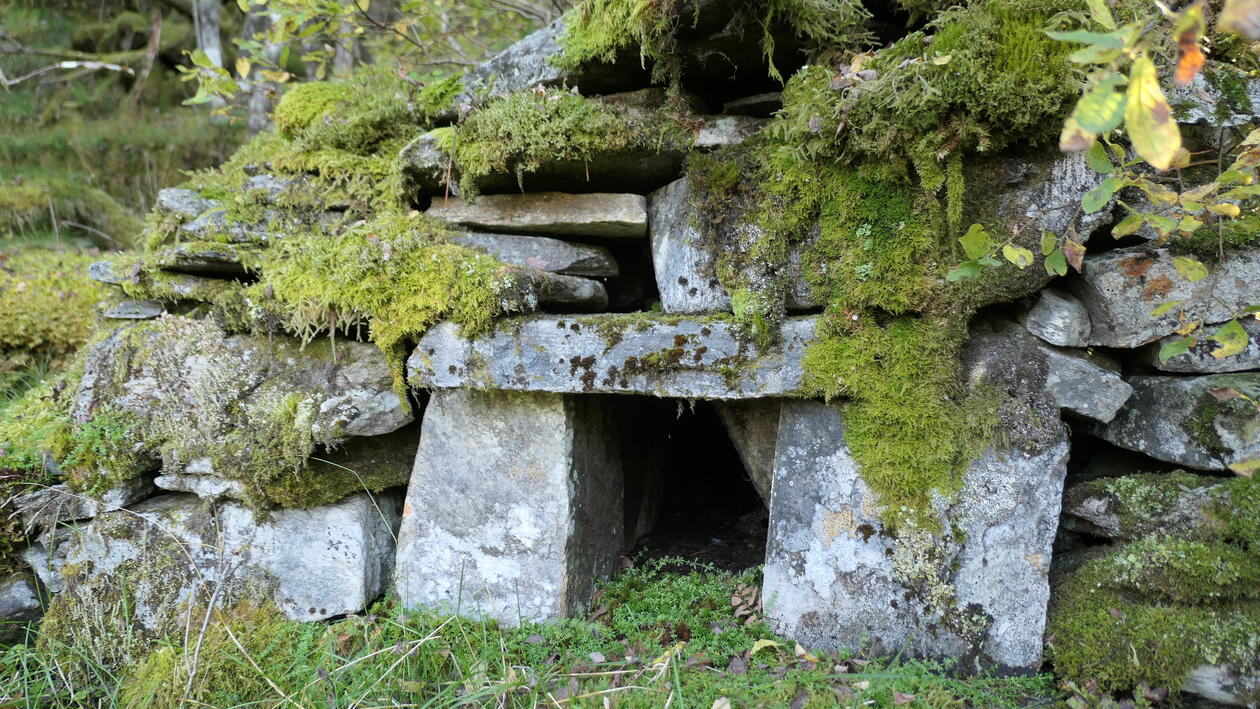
(654, 638)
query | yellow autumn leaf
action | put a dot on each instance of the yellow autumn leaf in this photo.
(242, 67)
(762, 645)
(1148, 117)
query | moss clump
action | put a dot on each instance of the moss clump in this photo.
(394, 274)
(306, 103)
(518, 133)
(598, 30)
(48, 301)
(1233, 235)
(30, 199)
(979, 77)
(1107, 625)
(909, 425)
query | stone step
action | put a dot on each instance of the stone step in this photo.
(705, 358)
(543, 253)
(603, 215)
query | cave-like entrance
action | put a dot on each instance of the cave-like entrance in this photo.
(688, 494)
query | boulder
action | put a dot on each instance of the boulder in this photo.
(1120, 289)
(841, 577)
(725, 131)
(1207, 422)
(1199, 359)
(20, 603)
(703, 358)
(686, 267)
(753, 426)
(171, 550)
(542, 253)
(612, 216)
(248, 405)
(1224, 683)
(514, 510)
(1058, 318)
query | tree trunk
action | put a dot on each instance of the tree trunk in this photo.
(262, 93)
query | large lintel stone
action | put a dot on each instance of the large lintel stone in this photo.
(837, 576)
(514, 510)
(703, 358)
(607, 215)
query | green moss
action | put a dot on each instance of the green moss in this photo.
(31, 200)
(1144, 503)
(48, 301)
(979, 77)
(518, 133)
(1112, 621)
(1232, 236)
(103, 451)
(909, 425)
(394, 274)
(599, 30)
(303, 104)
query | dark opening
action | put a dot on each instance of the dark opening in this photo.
(696, 501)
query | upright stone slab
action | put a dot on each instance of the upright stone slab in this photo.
(515, 505)
(753, 427)
(836, 576)
(686, 269)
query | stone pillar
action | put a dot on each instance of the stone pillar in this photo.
(753, 427)
(836, 576)
(515, 505)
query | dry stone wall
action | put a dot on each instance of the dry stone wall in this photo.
(509, 497)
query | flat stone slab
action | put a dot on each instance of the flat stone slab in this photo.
(606, 215)
(134, 310)
(1058, 318)
(514, 510)
(1120, 289)
(543, 253)
(725, 131)
(1199, 359)
(703, 358)
(1192, 421)
(201, 258)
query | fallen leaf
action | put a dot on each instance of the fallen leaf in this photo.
(737, 666)
(1223, 393)
(721, 703)
(900, 699)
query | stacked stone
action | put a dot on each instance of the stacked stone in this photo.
(514, 504)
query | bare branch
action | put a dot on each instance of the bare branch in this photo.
(70, 65)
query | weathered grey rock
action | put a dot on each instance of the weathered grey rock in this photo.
(113, 271)
(270, 187)
(1202, 102)
(1087, 385)
(543, 253)
(1225, 684)
(1059, 318)
(1183, 420)
(619, 216)
(47, 561)
(183, 203)
(426, 168)
(839, 577)
(724, 131)
(240, 401)
(44, 507)
(311, 563)
(20, 603)
(760, 105)
(1120, 289)
(568, 294)
(1199, 359)
(1040, 192)
(676, 357)
(514, 510)
(215, 224)
(531, 62)
(686, 267)
(201, 258)
(1137, 506)
(134, 310)
(753, 426)
(201, 479)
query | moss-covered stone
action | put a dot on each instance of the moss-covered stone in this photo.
(48, 302)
